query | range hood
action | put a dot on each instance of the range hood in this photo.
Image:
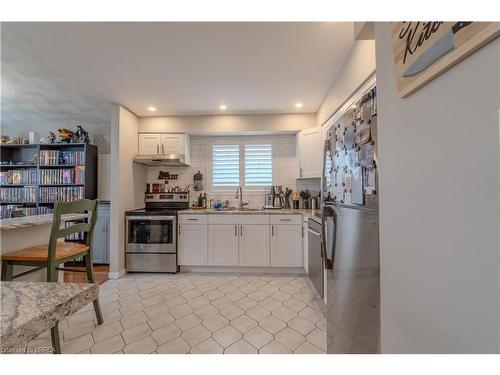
(167, 160)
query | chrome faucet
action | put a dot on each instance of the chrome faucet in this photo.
(239, 195)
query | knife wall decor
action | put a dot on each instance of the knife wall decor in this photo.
(424, 50)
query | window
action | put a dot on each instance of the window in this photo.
(254, 168)
(259, 165)
(225, 165)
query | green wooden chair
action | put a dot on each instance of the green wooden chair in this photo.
(53, 254)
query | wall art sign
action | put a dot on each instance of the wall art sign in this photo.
(424, 50)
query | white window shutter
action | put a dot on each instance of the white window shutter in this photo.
(225, 165)
(258, 165)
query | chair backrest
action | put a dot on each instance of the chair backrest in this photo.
(86, 206)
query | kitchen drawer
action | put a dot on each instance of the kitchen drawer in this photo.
(151, 262)
(238, 219)
(286, 219)
(193, 219)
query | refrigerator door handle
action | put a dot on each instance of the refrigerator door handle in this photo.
(327, 212)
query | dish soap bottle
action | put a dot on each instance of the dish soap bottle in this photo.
(205, 200)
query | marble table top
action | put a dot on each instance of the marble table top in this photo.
(29, 221)
(28, 309)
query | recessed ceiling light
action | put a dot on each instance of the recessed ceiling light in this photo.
(298, 105)
(152, 109)
(223, 107)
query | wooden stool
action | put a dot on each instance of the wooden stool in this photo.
(52, 255)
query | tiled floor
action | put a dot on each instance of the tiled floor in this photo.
(199, 313)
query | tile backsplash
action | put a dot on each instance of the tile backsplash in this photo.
(284, 167)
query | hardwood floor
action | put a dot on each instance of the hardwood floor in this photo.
(100, 274)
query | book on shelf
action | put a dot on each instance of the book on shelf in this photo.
(18, 176)
(66, 176)
(53, 194)
(61, 157)
(18, 194)
(6, 210)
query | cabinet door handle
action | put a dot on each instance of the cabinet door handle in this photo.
(192, 219)
(241, 230)
(157, 149)
(179, 230)
(162, 149)
(285, 219)
(235, 230)
(272, 230)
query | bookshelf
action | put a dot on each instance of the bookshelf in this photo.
(63, 171)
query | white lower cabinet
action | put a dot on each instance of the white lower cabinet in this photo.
(254, 245)
(249, 241)
(286, 246)
(193, 241)
(223, 245)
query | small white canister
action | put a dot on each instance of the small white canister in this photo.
(32, 137)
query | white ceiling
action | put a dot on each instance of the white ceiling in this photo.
(60, 71)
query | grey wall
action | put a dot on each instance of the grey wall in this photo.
(357, 68)
(440, 207)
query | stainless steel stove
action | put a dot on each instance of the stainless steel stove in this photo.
(151, 233)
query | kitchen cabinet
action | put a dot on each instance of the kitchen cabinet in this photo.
(164, 144)
(172, 144)
(100, 239)
(254, 245)
(149, 143)
(310, 153)
(193, 245)
(223, 245)
(286, 245)
(240, 240)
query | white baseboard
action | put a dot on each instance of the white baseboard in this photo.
(116, 275)
(273, 270)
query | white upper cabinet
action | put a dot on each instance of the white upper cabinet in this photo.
(310, 152)
(165, 144)
(149, 144)
(172, 144)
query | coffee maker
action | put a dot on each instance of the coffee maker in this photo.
(278, 197)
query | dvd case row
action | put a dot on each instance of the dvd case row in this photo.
(62, 176)
(6, 211)
(18, 177)
(18, 194)
(60, 157)
(53, 194)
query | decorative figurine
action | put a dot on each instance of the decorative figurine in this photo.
(33, 160)
(81, 135)
(4, 139)
(65, 135)
(18, 141)
(50, 139)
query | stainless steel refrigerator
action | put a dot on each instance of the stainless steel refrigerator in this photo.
(350, 229)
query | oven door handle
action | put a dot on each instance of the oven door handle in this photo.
(137, 218)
